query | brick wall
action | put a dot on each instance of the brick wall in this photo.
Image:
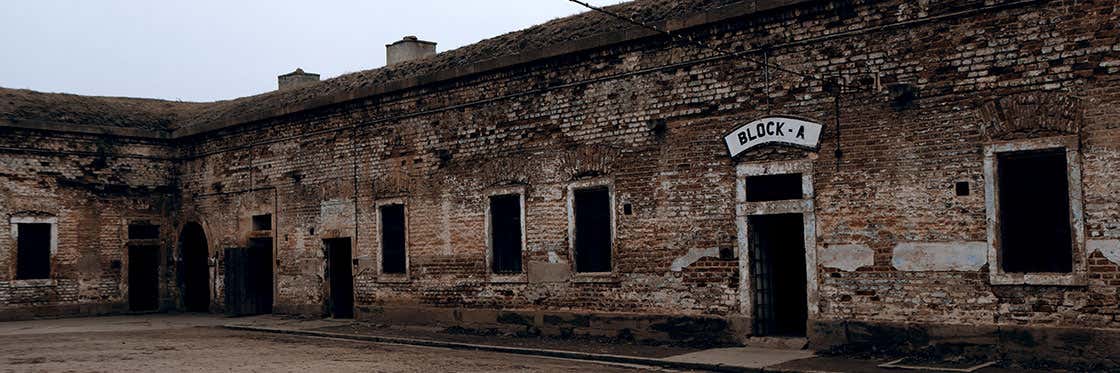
(589, 117)
(893, 184)
(94, 186)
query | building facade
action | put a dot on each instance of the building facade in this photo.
(574, 179)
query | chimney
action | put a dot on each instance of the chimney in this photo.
(407, 49)
(296, 79)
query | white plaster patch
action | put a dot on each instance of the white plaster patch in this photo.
(846, 257)
(553, 258)
(336, 218)
(940, 256)
(693, 256)
(1109, 248)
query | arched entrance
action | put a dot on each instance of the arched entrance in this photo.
(194, 268)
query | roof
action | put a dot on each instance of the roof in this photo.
(21, 105)
(515, 47)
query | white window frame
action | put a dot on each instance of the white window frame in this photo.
(589, 184)
(804, 206)
(1077, 277)
(511, 277)
(14, 222)
(392, 277)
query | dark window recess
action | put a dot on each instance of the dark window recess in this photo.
(1034, 212)
(143, 232)
(593, 230)
(505, 233)
(392, 239)
(33, 258)
(262, 222)
(773, 187)
(627, 209)
(962, 189)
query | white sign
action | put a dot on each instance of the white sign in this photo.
(771, 130)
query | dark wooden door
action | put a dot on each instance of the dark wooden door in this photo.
(340, 271)
(248, 278)
(143, 278)
(777, 245)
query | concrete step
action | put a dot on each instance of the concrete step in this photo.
(778, 343)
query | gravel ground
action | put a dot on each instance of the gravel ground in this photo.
(88, 345)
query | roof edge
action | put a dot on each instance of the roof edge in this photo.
(742, 9)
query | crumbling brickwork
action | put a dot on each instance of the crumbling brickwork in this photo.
(927, 87)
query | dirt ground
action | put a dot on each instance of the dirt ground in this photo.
(166, 343)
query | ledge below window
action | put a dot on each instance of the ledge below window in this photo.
(394, 279)
(31, 283)
(595, 277)
(508, 278)
(1039, 279)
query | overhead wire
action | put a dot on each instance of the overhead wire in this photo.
(744, 55)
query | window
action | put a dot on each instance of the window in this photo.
(778, 187)
(393, 251)
(592, 229)
(262, 222)
(1034, 212)
(505, 233)
(143, 231)
(33, 257)
(1036, 232)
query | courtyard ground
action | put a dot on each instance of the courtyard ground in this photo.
(267, 343)
(194, 343)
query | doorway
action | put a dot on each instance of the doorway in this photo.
(143, 278)
(248, 278)
(777, 249)
(340, 273)
(194, 268)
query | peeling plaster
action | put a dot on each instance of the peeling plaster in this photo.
(336, 218)
(693, 256)
(1109, 248)
(846, 257)
(940, 256)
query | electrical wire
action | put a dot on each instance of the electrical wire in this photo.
(721, 51)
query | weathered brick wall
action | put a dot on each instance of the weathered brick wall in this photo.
(321, 172)
(95, 186)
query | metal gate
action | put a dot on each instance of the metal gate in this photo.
(778, 274)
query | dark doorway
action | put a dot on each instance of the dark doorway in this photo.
(505, 233)
(248, 278)
(777, 245)
(195, 268)
(593, 229)
(393, 250)
(1034, 212)
(340, 271)
(33, 256)
(143, 278)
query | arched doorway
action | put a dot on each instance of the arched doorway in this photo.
(195, 268)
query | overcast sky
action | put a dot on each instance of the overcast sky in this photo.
(205, 50)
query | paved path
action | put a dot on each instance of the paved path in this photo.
(190, 343)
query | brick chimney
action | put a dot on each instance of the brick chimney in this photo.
(407, 49)
(296, 79)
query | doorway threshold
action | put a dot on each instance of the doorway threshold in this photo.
(777, 342)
